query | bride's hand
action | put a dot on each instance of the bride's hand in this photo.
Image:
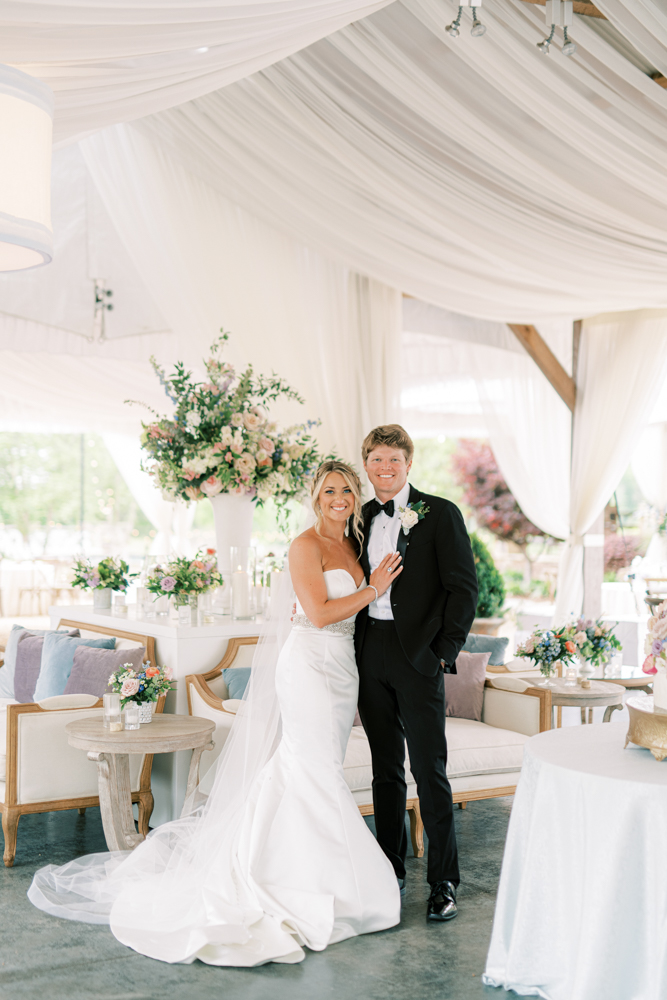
(386, 573)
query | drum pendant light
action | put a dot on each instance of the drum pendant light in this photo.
(26, 127)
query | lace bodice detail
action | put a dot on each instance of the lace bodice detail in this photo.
(339, 583)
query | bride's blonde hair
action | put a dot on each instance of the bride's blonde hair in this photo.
(355, 521)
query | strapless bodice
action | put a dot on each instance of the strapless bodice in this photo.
(339, 583)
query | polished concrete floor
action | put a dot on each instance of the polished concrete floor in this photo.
(43, 958)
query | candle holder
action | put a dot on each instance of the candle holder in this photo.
(243, 560)
(112, 718)
(131, 715)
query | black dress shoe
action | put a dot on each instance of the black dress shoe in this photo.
(442, 901)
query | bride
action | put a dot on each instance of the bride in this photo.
(277, 857)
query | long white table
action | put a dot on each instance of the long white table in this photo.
(582, 904)
(187, 650)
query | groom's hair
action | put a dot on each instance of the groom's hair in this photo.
(391, 435)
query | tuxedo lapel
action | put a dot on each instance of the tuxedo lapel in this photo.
(403, 542)
(363, 559)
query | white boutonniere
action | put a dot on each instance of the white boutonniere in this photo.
(410, 515)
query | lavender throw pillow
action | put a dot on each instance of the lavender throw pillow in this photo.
(93, 667)
(29, 664)
(464, 690)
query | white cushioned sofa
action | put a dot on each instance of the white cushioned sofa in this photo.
(41, 772)
(484, 759)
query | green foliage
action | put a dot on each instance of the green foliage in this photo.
(432, 468)
(40, 484)
(491, 587)
(109, 572)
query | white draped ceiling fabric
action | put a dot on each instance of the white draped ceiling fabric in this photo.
(292, 165)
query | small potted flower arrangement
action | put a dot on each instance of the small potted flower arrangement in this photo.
(547, 648)
(185, 579)
(108, 575)
(594, 642)
(141, 688)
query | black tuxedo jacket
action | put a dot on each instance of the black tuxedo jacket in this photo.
(435, 597)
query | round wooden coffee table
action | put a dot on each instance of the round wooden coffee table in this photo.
(110, 751)
(599, 695)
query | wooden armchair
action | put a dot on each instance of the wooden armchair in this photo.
(43, 773)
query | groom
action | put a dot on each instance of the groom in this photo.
(406, 641)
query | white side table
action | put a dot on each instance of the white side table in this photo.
(165, 734)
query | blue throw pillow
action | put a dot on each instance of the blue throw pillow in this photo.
(494, 644)
(8, 668)
(57, 660)
(236, 679)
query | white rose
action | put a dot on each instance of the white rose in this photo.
(260, 455)
(296, 451)
(197, 466)
(226, 435)
(409, 518)
(245, 463)
(237, 419)
(252, 421)
(211, 486)
(580, 638)
(193, 419)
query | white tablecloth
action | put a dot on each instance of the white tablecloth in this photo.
(582, 904)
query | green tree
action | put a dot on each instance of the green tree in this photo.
(491, 587)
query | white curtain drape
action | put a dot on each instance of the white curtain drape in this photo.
(471, 173)
(112, 61)
(622, 367)
(208, 263)
(173, 521)
(649, 464)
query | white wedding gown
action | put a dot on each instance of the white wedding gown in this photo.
(294, 865)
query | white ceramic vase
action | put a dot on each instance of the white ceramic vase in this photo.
(146, 709)
(233, 526)
(660, 691)
(101, 598)
(586, 668)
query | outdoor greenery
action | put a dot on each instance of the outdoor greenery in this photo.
(40, 485)
(491, 587)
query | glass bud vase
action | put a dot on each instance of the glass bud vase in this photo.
(186, 608)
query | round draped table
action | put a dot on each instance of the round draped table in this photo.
(581, 912)
(165, 734)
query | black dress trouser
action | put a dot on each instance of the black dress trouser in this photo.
(397, 703)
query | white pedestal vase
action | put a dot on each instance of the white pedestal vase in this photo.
(586, 668)
(233, 527)
(660, 691)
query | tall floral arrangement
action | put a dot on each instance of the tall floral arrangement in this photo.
(220, 439)
(656, 640)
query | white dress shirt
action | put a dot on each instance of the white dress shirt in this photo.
(383, 540)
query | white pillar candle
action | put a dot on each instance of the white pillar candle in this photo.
(240, 594)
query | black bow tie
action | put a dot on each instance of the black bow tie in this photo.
(382, 508)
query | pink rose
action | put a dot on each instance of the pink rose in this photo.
(129, 688)
(168, 673)
(229, 457)
(211, 486)
(648, 666)
(267, 445)
(193, 492)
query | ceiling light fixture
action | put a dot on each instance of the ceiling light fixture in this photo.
(477, 30)
(26, 128)
(559, 14)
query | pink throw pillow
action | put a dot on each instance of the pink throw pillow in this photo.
(464, 690)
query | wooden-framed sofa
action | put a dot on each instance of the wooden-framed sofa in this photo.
(484, 757)
(41, 772)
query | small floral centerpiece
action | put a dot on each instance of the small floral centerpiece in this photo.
(219, 438)
(108, 573)
(594, 640)
(656, 640)
(548, 646)
(183, 576)
(142, 687)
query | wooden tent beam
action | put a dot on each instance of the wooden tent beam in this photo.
(588, 9)
(546, 361)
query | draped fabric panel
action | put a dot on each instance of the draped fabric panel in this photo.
(471, 173)
(113, 61)
(332, 333)
(622, 368)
